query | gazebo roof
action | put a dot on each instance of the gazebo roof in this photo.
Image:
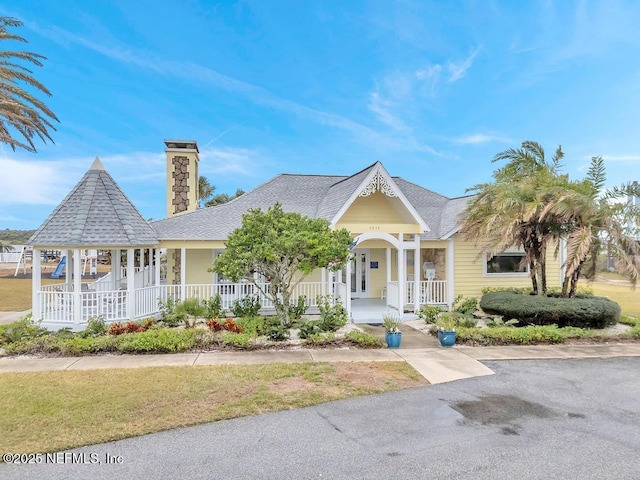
(95, 214)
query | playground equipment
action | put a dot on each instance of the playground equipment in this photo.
(21, 261)
(89, 259)
(60, 268)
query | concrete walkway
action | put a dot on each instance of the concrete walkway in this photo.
(421, 351)
(10, 317)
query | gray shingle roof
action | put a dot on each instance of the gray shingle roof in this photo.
(339, 193)
(316, 196)
(96, 213)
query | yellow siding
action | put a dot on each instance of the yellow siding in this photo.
(376, 208)
(377, 276)
(198, 261)
(469, 276)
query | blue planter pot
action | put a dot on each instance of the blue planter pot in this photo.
(447, 339)
(393, 339)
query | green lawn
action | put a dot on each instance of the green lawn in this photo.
(51, 411)
(628, 299)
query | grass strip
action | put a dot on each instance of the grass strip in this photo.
(52, 411)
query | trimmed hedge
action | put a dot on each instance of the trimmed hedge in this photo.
(586, 312)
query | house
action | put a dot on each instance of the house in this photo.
(407, 251)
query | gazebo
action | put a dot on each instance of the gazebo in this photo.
(96, 215)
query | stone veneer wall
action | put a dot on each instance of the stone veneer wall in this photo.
(177, 263)
(180, 187)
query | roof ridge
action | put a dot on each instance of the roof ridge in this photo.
(357, 173)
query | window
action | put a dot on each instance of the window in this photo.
(506, 263)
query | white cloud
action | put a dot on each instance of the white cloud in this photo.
(190, 72)
(382, 108)
(622, 158)
(478, 138)
(230, 161)
(34, 183)
(459, 69)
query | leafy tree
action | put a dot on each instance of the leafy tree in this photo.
(20, 112)
(508, 212)
(282, 247)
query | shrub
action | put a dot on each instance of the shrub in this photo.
(238, 340)
(95, 327)
(590, 312)
(531, 335)
(332, 317)
(214, 306)
(248, 306)
(168, 314)
(257, 325)
(117, 328)
(429, 314)
(465, 306)
(277, 333)
(215, 325)
(83, 345)
(309, 328)
(231, 326)
(190, 310)
(299, 309)
(498, 322)
(363, 339)
(160, 341)
(23, 329)
(321, 339)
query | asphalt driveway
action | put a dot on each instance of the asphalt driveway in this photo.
(534, 419)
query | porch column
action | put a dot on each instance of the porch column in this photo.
(450, 273)
(323, 281)
(115, 269)
(36, 284)
(156, 271)
(68, 270)
(131, 291)
(417, 275)
(388, 267)
(183, 273)
(143, 265)
(401, 274)
(77, 286)
(347, 301)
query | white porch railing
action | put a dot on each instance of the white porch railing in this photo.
(57, 301)
(392, 294)
(432, 292)
(340, 292)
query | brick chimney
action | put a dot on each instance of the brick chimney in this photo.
(182, 176)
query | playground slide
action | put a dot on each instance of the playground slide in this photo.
(60, 268)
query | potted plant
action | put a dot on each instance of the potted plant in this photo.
(446, 325)
(393, 335)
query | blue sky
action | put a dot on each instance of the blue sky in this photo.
(432, 89)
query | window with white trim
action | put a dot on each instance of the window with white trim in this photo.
(506, 263)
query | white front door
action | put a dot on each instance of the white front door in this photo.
(360, 273)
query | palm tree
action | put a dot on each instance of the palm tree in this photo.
(205, 190)
(508, 212)
(20, 112)
(593, 219)
(224, 198)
